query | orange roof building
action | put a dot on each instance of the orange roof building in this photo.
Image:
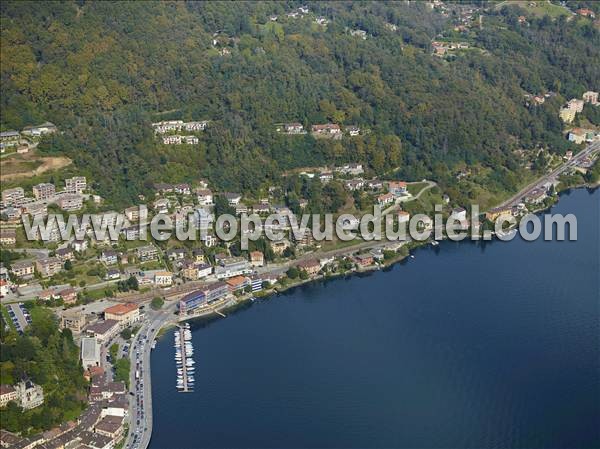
(126, 314)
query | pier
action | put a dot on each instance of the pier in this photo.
(186, 385)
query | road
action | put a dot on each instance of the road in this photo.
(140, 427)
(553, 175)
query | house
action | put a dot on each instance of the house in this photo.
(174, 254)
(359, 33)
(232, 198)
(329, 130)
(257, 259)
(22, 268)
(397, 188)
(126, 314)
(111, 427)
(350, 169)
(198, 255)
(104, 330)
(459, 213)
(279, 246)
(353, 131)
(12, 213)
(385, 199)
(183, 189)
(579, 135)
(48, 267)
(375, 184)
(568, 155)
(70, 202)
(325, 177)
(8, 393)
(4, 290)
(77, 184)
(11, 196)
(196, 126)
(237, 283)
(354, 184)
(536, 196)
(493, 214)
(205, 197)
(68, 295)
(147, 253)
(575, 104)
(112, 274)
(44, 191)
(40, 130)
(167, 126)
(8, 237)
(585, 12)
(312, 267)
(590, 97)
(162, 187)
(65, 254)
(94, 441)
(161, 206)
(135, 213)
(163, 278)
(567, 115)
(292, 128)
(108, 257)
(204, 270)
(403, 216)
(10, 137)
(262, 208)
(80, 245)
(364, 260)
(241, 208)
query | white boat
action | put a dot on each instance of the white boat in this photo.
(435, 243)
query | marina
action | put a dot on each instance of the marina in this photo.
(184, 361)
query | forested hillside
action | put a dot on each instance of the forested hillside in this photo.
(103, 71)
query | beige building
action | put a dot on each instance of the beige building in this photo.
(22, 268)
(77, 184)
(48, 267)
(125, 314)
(567, 115)
(44, 191)
(74, 320)
(30, 394)
(8, 393)
(591, 97)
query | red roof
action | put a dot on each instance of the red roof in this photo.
(121, 309)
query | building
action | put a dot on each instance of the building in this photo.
(70, 202)
(567, 115)
(40, 130)
(292, 128)
(232, 266)
(203, 296)
(195, 126)
(403, 216)
(109, 257)
(12, 196)
(44, 191)
(10, 137)
(459, 213)
(312, 267)
(8, 393)
(364, 260)
(91, 353)
(578, 135)
(233, 199)
(80, 245)
(8, 237)
(329, 130)
(183, 188)
(353, 131)
(163, 278)
(126, 314)
(103, 331)
(65, 254)
(91, 440)
(591, 97)
(536, 196)
(48, 267)
(257, 258)
(204, 197)
(585, 12)
(22, 268)
(147, 253)
(575, 104)
(135, 213)
(68, 295)
(237, 283)
(174, 254)
(74, 320)
(76, 184)
(204, 270)
(493, 214)
(30, 395)
(111, 427)
(397, 188)
(385, 199)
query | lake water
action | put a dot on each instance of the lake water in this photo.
(468, 345)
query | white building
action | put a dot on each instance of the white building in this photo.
(77, 184)
(90, 352)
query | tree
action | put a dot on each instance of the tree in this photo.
(68, 265)
(303, 275)
(157, 303)
(292, 273)
(126, 333)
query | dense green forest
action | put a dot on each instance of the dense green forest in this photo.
(103, 71)
(50, 358)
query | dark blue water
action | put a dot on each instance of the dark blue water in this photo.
(469, 345)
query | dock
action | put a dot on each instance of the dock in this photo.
(186, 385)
